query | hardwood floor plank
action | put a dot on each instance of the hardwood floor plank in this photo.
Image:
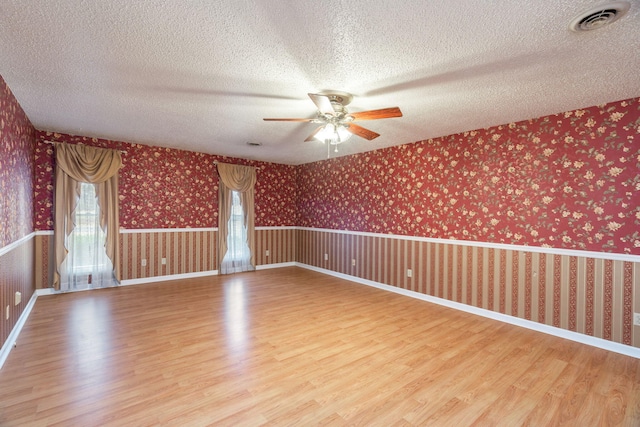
(294, 347)
(544, 413)
(632, 411)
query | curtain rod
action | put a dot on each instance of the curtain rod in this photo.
(80, 143)
(215, 162)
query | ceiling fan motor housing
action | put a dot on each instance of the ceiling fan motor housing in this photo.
(338, 97)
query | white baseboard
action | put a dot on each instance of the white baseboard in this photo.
(153, 279)
(13, 336)
(277, 265)
(529, 324)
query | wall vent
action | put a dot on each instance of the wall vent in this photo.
(599, 16)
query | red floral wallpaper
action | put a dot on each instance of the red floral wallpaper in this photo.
(570, 180)
(17, 138)
(169, 188)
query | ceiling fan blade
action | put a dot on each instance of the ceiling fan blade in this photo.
(313, 135)
(362, 132)
(323, 103)
(383, 113)
(288, 120)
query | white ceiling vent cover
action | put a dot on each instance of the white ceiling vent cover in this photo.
(599, 16)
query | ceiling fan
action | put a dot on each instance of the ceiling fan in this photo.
(337, 122)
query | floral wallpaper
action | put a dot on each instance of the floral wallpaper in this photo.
(17, 138)
(169, 188)
(570, 180)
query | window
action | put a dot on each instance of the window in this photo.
(236, 240)
(238, 255)
(87, 265)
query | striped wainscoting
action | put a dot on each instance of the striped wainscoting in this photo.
(17, 267)
(590, 294)
(280, 242)
(194, 250)
(186, 251)
(43, 259)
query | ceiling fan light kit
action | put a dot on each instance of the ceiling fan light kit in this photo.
(336, 122)
(333, 134)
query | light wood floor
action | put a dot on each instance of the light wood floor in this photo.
(294, 347)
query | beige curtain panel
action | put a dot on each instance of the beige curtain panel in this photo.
(98, 166)
(241, 179)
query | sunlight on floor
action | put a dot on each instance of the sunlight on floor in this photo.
(236, 317)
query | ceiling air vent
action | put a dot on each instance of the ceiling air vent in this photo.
(599, 16)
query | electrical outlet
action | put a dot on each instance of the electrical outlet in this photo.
(409, 273)
(18, 298)
(164, 261)
(144, 262)
(353, 263)
(636, 319)
(326, 257)
(266, 253)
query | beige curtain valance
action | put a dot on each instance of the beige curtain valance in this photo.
(88, 164)
(237, 177)
(98, 166)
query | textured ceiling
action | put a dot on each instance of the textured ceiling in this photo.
(200, 75)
